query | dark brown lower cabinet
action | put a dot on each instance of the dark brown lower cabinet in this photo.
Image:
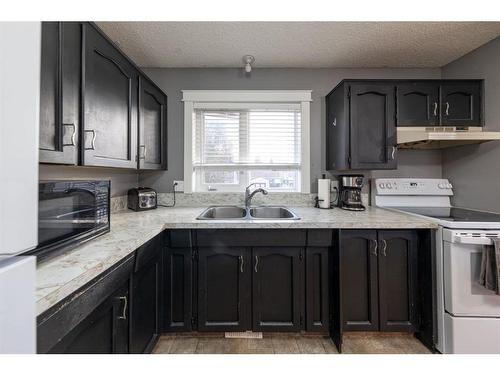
(358, 280)
(224, 288)
(397, 280)
(147, 293)
(317, 288)
(378, 280)
(179, 289)
(277, 288)
(104, 331)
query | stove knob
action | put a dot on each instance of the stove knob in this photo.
(441, 186)
(449, 186)
(381, 186)
(388, 185)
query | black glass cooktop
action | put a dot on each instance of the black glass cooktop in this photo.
(453, 214)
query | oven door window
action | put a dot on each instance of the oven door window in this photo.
(68, 210)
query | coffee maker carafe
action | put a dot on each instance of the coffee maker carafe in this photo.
(350, 192)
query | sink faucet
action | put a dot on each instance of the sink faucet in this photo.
(249, 196)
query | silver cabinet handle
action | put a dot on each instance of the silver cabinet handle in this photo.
(375, 247)
(447, 110)
(241, 263)
(73, 135)
(124, 311)
(256, 263)
(393, 153)
(435, 109)
(334, 123)
(94, 136)
(384, 247)
(143, 148)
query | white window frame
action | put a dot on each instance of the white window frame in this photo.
(194, 99)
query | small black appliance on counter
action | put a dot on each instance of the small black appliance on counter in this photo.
(350, 192)
(142, 199)
(70, 213)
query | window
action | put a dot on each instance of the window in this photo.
(231, 144)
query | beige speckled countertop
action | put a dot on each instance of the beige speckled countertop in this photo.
(59, 277)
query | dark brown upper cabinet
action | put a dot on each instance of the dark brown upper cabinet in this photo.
(461, 103)
(152, 151)
(417, 103)
(361, 129)
(110, 81)
(60, 92)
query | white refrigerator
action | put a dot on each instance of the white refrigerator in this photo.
(20, 46)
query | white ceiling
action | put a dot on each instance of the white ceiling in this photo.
(299, 44)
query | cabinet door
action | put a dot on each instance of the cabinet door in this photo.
(152, 126)
(60, 92)
(224, 289)
(179, 289)
(104, 331)
(417, 104)
(372, 123)
(109, 104)
(337, 130)
(277, 288)
(146, 300)
(397, 280)
(317, 310)
(358, 280)
(461, 103)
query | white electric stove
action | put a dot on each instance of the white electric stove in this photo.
(468, 315)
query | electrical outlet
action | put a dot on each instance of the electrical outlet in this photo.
(334, 184)
(179, 186)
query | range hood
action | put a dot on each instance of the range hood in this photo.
(442, 136)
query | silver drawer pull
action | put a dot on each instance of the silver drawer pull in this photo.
(375, 247)
(393, 152)
(73, 135)
(447, 110)
(384, 247)
(241, 263)
(124, 311)
(256, 263)
(143, 154)
(435, 109)
(334, 123)
(94, 136)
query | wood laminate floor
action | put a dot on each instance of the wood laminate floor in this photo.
(354, 343)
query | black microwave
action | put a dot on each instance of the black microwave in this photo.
(70, 213)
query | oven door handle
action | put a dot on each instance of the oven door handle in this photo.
(483, 240)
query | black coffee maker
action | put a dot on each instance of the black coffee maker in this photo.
(350, 192)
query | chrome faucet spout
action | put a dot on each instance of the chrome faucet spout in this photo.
(249, 196)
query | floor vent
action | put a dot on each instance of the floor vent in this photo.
(243, 335)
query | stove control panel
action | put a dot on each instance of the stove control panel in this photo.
(412, 186)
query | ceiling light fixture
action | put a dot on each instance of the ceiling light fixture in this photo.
(248, 60)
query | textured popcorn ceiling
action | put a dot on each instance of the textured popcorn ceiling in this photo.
(299, 44)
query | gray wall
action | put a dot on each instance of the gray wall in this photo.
(474, 170)
(321, 81)
(121, 180)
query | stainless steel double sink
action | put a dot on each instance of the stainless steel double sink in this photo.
(251, 213)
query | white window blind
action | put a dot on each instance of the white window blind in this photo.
(233, 147)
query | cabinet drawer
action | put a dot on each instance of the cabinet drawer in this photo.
(148, 251)
(251, 237)
(319, 237)
(180, 238)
